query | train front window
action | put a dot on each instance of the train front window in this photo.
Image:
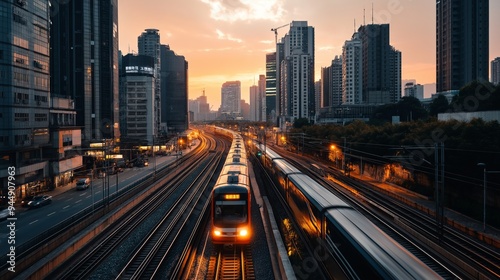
(230, 212)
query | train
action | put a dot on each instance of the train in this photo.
(349, 245)
(231, 196)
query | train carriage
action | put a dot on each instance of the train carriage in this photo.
(231, 216)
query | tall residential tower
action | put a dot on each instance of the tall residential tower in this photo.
(462, 43)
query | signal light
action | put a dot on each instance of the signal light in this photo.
(259, 153)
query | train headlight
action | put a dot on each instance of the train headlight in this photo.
(217, 232)
(243, 232)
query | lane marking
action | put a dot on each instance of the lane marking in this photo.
(51, 214)
(34, 222)
(78, 201)
(83, 194)
(69, 199)
(88, 196)
(65, 206)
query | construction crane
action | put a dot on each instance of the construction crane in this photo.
(276, 32)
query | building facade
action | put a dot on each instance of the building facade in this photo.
(174, 92)
(24, 94)
(296, 73)
(137, 98)
(86, 34)
(352, 71)
(495, 71)
(149, 44)
(462, 43)
(415, 90)
(230, 98)
(381, 65)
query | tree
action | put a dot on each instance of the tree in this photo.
(298, 123)
(439, 105)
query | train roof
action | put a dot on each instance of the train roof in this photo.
(230, 189)
(236, 179)
(317, 194)
(234, 169)
(269, 153)
(285, 166)
(392, 260)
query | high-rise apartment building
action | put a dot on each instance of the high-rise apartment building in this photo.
(462, 42)
(254, 101)
(271, 84)
(495, 71)
(415, 90)
(230, 98)
(149, 44)
(352, 71)
(174, 91)
(296, 73)
(262, 98)
(381, 65)
(331, 84)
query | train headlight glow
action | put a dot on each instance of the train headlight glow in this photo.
(217, 232)
(243, 232)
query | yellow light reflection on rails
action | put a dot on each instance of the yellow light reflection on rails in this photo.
(231, 196)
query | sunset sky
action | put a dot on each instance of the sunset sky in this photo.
(227, 40)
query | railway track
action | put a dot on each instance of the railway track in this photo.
(148, 258)
(231, 262)
(473, 258)
(85, 262)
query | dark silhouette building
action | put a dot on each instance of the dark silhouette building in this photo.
(462, 42)
(84, 35)
(174, 91)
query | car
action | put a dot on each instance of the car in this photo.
(40, 200)
(82, 184)
(26, 200)
(4, 213)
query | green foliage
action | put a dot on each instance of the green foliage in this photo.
(439, 105)
(477, 96)
(298, 123)
(408, 108)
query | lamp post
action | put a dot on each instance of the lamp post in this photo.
(484, 191)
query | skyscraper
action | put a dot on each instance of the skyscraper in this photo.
(381, 65)
(149, 44)
(230, 98)
(86, 35)
(296, 73)
(495, 71)
(174, 91)
(271, 85)
(137, 82)
(24, 93)
(462, 42)
(352, 71)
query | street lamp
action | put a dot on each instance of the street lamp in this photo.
(484, 191)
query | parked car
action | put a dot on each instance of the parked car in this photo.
(26, 200)
(4, 213)
(82, 184)
(40, 200)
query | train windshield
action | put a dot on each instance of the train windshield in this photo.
(230, 212)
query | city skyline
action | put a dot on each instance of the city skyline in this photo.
(228, 40)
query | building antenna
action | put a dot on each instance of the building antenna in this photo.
(372, 12)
